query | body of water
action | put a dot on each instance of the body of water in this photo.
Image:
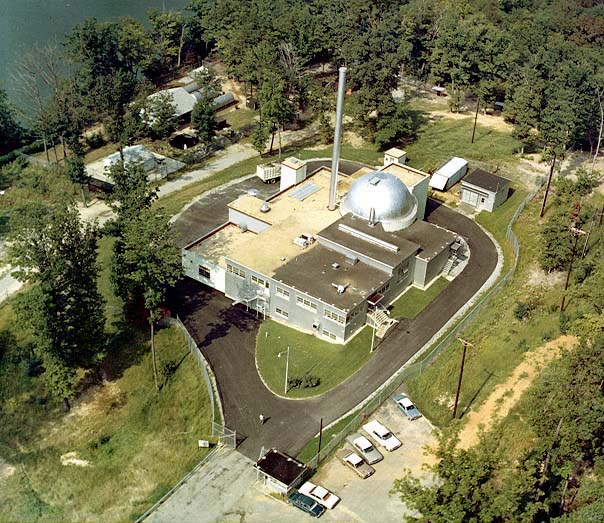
(25, 23)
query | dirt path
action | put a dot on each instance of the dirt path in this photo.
(507, 394)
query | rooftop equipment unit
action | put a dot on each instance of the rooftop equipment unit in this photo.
(265, 207)
(340, 288)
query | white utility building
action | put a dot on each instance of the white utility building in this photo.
(484, 190)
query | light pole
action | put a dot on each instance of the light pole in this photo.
(286, 365)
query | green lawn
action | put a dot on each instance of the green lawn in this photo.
(135, 443)
(415, 300)
(499, 339)
(308, 356)
(438, 141)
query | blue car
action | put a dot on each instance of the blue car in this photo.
(308, 505)
(406, 406)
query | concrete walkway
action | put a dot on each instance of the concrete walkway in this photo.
(213, 494)
(230, 156)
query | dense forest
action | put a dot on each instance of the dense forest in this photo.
(541, 58)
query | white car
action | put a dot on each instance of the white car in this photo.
(365, 448)
(319, 494)
(381, 435)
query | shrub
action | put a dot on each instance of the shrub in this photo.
(522, 311)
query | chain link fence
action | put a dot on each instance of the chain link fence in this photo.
(423, 361)
(219, 430)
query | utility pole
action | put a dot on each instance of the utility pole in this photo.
(577, 233)
(475, 118)
(466, 344)
(549, 181)
(286, 366)
(319, 448)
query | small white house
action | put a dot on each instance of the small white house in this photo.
(395, 155)
(483, 190)
(449, 174)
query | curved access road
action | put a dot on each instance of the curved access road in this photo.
(226, 335)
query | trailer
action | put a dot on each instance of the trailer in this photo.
(449, 174)
(269, 172)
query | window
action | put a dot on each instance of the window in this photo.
(259, 281)
(307, 304)
(333, 316)
(403, 272)
(329, 334)
(283, 293)
(281, 312)
(235, 270)
(204, 272)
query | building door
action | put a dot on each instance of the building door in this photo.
(469, 197)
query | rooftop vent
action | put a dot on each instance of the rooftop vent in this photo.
(375, 180)
(304, 240)
(335, 265)
(265, 207)
(243, 227)
(340, 288)
(351, 260)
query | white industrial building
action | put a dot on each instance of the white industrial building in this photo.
(484, 190)
(328, 253)
(326, 272)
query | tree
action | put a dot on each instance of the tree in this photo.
(260, 137)
(10, 132)
(131, 191)
(148, 264)
(393, 126)
(168, 30)
(76, 171)
(203, 119)
(162, 115)
(275, 107)
(57, 254)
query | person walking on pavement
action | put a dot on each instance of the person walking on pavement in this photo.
(262, 419)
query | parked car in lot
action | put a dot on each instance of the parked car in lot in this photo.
(355, 462)
(381, 435)
(365, 448)
(307, 504)
(319, 494)
(406, 406)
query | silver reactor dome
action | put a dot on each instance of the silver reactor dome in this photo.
(381, 197)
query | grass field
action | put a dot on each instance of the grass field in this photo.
(439, 140)
(499, 339)
(308, 356)
(121, 446)
(415, 300)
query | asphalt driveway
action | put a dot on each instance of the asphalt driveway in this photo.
(226, 335)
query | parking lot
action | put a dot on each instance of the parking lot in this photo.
(227, 490)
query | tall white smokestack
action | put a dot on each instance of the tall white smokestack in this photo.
(335, 160)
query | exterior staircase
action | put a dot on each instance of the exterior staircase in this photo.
(449, 265)
(380, 321)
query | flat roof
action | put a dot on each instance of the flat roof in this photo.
(280, 466)
(408, 175)
(289, 217)
(432, 238)
(405, 247)
(312, 273)
(219, 245)
(396, 152)
(486, 180)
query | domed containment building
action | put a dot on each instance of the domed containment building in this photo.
(327, 272)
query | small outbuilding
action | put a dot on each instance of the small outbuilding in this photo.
(449, 174)
(281, 472)
(484, 190)
(395, 155)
